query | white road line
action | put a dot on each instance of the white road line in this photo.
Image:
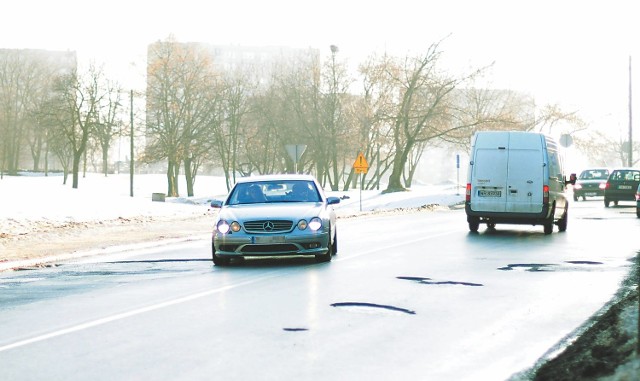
(135, 312)
(379, 248)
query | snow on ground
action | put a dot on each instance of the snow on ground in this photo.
(42, 217)
(30, 199)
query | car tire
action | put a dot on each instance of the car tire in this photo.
(548, 224)
(335, 244)
(326, 257)
(606, 203)
(575, 197)
(562, 223)
(217, 260)
(638, 212)
(584, 198)
(474, 225)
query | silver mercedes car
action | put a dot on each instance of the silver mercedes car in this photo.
(275, 215)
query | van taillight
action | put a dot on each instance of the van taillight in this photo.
(545, 194)
(468, 195)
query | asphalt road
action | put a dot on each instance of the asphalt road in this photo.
(409, 296)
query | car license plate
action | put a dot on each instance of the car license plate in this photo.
(489, 193)
(269, 239)
(624, 187)
(590, 194)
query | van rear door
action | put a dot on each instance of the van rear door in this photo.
(489, 172)
(525, 174)
(507, 173)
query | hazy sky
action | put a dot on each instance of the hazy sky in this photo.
(571, 52)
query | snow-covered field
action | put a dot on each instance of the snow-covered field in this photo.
(40, 216)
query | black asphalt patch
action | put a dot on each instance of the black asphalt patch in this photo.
(533, 267)
(374, 306)
(584, 263)
(429, 281)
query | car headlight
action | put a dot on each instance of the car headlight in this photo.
(302, 224)
(224, 227)
(315, 224)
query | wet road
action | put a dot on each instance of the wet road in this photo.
(412, 296)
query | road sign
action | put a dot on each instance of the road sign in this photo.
(295, 151)
(361, 165)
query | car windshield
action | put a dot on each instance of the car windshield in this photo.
(274, 191)
(594, 174)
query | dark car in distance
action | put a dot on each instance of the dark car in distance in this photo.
(590, 183)
(638, 202)
(622, 185)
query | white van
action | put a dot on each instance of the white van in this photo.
(516, 178)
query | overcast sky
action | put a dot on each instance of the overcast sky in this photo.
(575, 53)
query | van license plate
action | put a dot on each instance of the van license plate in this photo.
(489, 193)
(624, 187)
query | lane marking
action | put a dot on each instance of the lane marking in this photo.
(131, 313)
(341, 259)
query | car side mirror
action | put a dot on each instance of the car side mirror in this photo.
(333, 200)
(216, 204)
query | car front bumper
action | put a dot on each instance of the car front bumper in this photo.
(234, 245)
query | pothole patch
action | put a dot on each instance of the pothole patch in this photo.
(372, 307)
(584, 263)
(533, 267)
(295, 329)
(433, 282)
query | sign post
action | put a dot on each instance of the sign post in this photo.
(361, 167)
(458, 174)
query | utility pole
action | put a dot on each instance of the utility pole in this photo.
(630, 120)
(131, 161)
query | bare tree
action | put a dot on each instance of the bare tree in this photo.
(108, 121)
(179, 79)
(81, 97)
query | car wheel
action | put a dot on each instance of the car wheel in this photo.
(335, 244)
(638, 212)
(217, 260)
(548, 224)
(474, 224)
(326, 257)
(615, 203)
(562, 223)
(606, 203)
(575, 197)
(584, 198)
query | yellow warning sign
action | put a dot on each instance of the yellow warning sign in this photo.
(361, 165)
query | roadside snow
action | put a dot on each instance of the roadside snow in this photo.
(40, 216)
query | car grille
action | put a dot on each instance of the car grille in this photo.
(268, 226)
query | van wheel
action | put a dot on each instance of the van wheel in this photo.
(474, 224)
(562, 223)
